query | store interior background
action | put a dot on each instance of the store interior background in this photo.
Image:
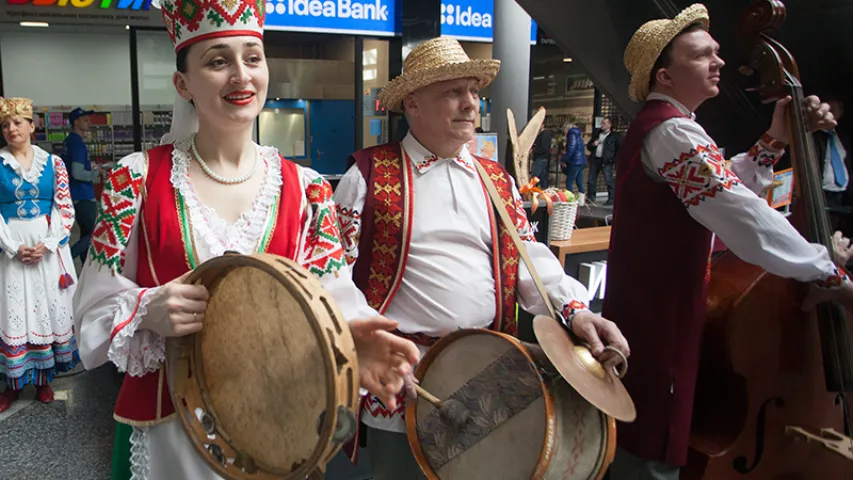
(310, 113)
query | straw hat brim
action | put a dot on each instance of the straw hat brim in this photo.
(392, 95)
(651, 46)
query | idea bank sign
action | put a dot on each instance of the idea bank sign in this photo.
(123, 12)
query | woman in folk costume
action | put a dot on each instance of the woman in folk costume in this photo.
(165, 211)
(36, 216)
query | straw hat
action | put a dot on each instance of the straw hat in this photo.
(649, 41)
(16, 107)
(436, 60)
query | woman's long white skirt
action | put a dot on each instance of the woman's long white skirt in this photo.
(36, 314)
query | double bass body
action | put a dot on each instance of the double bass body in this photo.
(761, 370)
(766, 364)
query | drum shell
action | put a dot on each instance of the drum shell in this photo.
(337, 355)
(577, 440)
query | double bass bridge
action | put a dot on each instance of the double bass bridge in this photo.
(828, 437)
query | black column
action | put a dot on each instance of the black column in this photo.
(358, 60)
(134, 93)
(421, 20)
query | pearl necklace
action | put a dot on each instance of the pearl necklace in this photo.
(219, 178)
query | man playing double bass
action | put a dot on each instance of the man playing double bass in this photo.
(674, 189)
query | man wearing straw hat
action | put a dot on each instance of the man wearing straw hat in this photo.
(674, 190)
(420, 233)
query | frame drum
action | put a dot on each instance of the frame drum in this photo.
(267, 389)
(523, 420)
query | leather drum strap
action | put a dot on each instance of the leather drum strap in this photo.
(498, 204)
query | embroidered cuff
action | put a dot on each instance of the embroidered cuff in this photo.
(571, 308)
(838, 278)
(771, 143)
(135, 351)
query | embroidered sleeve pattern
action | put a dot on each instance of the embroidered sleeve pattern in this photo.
(350, 197)
(116, 215)
(681, 153)
(573, 307)
(838, 278)
(350, 220)
(62, 198)
(322, 252)
(525, 231)
(698, 175)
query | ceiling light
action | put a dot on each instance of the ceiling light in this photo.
(567, 60)
(35, 24)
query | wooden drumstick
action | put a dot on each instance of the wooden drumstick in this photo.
(428, 397)
(451, 411)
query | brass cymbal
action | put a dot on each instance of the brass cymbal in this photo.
(599, 386)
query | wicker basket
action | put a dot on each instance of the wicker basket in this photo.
(562, 221)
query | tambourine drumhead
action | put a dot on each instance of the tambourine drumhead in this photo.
(520, 425)
(263, 387)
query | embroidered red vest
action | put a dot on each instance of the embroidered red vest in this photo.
(656, 282)
(145, 401)
(386, 233)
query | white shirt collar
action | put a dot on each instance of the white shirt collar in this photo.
(666, 98)
(424, 160)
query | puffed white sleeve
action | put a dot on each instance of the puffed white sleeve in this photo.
(109, 305)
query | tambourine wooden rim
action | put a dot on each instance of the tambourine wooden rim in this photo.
(185, 355)
(412, 412)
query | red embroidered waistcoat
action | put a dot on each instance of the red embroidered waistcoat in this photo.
(386, 231)
(656, 293)
(145, 401)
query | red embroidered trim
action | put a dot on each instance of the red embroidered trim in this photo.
(772, 143)
(123, 324)
(392, 218)
(698, 174)
(507, 253)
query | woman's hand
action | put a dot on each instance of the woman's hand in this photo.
(31, 255)
(384, 359)
(184, 304)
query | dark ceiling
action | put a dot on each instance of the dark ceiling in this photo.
(817, 32)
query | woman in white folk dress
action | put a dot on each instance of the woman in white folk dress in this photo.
(36, 290)
(209, 189)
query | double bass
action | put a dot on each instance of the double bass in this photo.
(773, 391)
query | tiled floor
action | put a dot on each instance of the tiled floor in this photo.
(72, 438)
(69, 438)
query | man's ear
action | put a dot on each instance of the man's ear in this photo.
(662, 77)
(410, 105)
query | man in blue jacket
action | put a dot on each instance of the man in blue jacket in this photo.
(82, 176)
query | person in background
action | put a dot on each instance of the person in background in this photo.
(36, 322)
(604, 146)
(574, 160)
(832, 148)
(83, 175)
(542, 156)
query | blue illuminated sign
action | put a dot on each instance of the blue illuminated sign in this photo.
(471, 20)
(355, 17)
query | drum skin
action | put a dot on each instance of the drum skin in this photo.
(525, 421)
(268, 387)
